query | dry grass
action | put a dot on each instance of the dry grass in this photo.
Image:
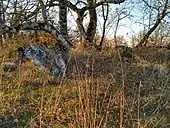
(102, 90)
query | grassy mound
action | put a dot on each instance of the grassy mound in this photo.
(102, 89)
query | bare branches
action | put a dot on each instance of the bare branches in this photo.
(43, 10)
(39, 6)
(64, 43)
(89, 6)
(105, 17)
(63, 17)
(160, 17)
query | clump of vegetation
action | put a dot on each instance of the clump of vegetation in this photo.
(100, 90)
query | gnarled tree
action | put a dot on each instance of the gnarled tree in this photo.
(64, 43)
(2, 18)
(89, 34)
(162, 12)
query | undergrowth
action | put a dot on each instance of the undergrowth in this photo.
(101, 90)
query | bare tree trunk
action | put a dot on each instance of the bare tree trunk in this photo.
(104, 24)
(79, 20)
(87, 37)
(44, 15)
(91, 29)
(1, 20)
(36, 32)
(160, 17)
(115, 33)
(81, 29)
(63, 17)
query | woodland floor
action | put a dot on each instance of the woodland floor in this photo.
(101, 89)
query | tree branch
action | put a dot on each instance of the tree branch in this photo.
(63, 42)
(160, 17)
(43, 10)
(105, 17)
(87, 7)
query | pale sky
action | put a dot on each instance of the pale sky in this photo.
(127, 27)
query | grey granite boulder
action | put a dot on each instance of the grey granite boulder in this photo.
(45, 58)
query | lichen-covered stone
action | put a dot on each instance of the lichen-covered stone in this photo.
(45, 58)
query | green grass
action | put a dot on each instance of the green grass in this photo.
(101, 90)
